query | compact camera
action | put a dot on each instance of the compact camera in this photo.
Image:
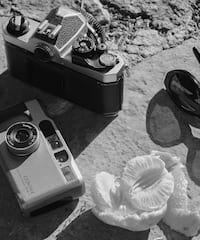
(35, 158)
(66, 55)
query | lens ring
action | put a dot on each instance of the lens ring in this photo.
(22, 138)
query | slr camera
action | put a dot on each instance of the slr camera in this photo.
(66, 54)
(35, 158)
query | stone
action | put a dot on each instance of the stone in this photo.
(99, 143)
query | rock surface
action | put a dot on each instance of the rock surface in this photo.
(139, 31)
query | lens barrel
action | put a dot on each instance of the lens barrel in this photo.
(22, 138)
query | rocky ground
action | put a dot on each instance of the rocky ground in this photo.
(153, 37)
(138, 29)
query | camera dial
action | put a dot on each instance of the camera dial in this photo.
(101, 48)
(84, 46)
(22, 138)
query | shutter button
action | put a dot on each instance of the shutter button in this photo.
(108, 60)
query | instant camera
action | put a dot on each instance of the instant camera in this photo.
(35, 158)
(66, 55)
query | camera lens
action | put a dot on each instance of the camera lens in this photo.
(22, 138)
(22, 135)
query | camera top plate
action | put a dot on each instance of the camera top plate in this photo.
(55, 35)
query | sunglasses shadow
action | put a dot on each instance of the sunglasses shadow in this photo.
(164, 123)
(167, 126)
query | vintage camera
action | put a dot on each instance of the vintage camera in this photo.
(66, 55)
(35, 158)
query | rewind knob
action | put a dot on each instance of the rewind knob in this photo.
(18, 25)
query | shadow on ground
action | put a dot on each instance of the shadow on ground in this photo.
(78, 126)
(170, 234)
(167, 126)
(92, 228)
(164, 122)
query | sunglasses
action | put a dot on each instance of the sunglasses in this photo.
(184, 90)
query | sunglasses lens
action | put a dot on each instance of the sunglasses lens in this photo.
(184, 90)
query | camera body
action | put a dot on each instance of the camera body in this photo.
(35, 158)
(66, 55)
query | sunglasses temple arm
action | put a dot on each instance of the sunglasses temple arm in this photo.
(196, 54)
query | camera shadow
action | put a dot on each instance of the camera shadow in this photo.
(80, 127)
(13, 91)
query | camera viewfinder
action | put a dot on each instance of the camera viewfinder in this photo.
(61, 156)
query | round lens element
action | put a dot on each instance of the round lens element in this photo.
(22, 138)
